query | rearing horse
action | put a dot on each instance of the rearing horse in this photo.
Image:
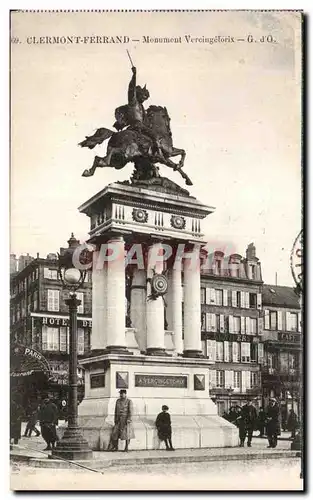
(131, 145)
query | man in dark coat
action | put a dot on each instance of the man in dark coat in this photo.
(261, 422)
(32, 420)
(48, 417)
(273, 427)
(164, 427)
(292, 423)
(246, 423)
(123, 427)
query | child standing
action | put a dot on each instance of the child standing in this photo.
(164, 428)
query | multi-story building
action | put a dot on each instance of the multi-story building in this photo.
(282, 329)
(39, 315)
(232, 324)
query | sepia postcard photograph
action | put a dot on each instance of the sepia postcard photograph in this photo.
(156, 250)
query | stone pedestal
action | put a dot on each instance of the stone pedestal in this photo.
(146, 359)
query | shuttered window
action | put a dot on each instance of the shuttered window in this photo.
(245, 352)
(229, 379)
(266, 319)
(53, 300)
(235, 352)
(226, 351)
(80, 341)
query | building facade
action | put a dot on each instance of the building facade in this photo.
(281, 370)
(39, 316)
(232, 326)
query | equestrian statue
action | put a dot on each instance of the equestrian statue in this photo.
(143, 137)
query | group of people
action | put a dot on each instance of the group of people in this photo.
(246, 418)
(46, 413)
(268, 422)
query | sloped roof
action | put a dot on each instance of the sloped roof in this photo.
(280, 296)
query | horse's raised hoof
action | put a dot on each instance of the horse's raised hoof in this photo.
(86, 173)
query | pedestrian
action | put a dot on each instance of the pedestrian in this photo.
(17, 414)
(32, 420)
(261, 422)
(284, 416)
(246, 422)
(164, 427)
(48, 417)
(273, 427)
(292, 423)
(123, 427)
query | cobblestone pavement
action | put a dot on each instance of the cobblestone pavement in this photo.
(283, 474)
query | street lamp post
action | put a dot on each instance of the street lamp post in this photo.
(72, 446)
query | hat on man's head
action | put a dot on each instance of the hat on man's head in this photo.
(164, 407)
(123, 391)
(273, 399)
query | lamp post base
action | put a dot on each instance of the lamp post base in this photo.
(72, 446)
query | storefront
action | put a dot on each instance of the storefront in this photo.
(29, 375)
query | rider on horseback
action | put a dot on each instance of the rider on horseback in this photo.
(134, 115)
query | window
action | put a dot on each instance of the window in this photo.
(253, 272)
(210, 322)
(254, 379)
(253, 326)
(218, 322)
(237, 381)
(50, 339)
(211, 350)
(245, 352)
(218, 266)
(63, 338)
(219, 351)
(219, 297)
(236, 352)
(220, 378)
(226, 351)
(238, 301)
(35, 300)
(203, 322)
(237, 324)
(266, 319)
(80, 340)
(80, 308)
(50, 274)
(37, 273)
(53, 300)
(293, 322)
(273, 320)
(252, 300)
(292, 361)
(202, 295)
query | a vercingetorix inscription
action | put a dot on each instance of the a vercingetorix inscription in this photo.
(172, 381)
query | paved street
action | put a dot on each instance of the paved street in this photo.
(280, 474)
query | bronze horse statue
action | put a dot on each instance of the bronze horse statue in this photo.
(130, 145)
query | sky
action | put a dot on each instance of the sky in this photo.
(235, 108)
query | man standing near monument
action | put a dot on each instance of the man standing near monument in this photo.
(123, 427)
(273, 426)
(247, 418)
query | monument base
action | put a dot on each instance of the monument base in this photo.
(181, 384)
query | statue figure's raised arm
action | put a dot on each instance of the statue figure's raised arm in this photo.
(132, 88)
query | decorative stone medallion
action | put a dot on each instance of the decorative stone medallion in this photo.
(140, 215)
(159, 285)
(178, 221)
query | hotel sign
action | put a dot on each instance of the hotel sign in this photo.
(65, 322)
(171, 381)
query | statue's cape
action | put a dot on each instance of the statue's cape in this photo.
(97, 138)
